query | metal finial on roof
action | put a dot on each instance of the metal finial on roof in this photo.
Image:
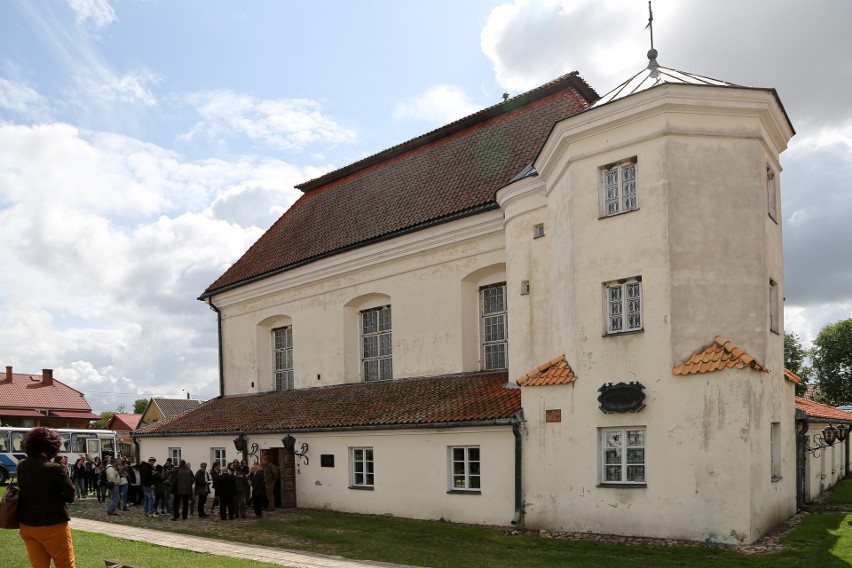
(652, 53)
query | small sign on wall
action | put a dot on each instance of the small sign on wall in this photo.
(326, 460)
(553, 415)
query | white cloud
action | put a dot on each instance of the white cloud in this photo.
(437, 105)
(109, 248)
(21, 99)
(286, 124)
(131, 88)
(94, 13)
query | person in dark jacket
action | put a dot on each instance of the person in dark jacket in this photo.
(258, 489)
(182, 488)
(202, 488)
(46, 489)
(226, 489)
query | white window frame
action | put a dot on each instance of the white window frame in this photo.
(465, 468)
(494, 327)
(175, 454)
(376, 344)
(219, 455)
(282, 357)
(774, 308)
(362, 467)
(622, 304)
(619, 188)
(775, 450)
(616, 453)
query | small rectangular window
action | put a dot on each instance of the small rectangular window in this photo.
(376, 344)
(772, 193)
(362, 473)
(282, 339)
(174, 453)
(217, 455)
(465, 468)
(525, 287)
(774, 308)
(538, 231)
(622, 456)
(623, 305)
(775, 450)
(494, 312)
(618, 188)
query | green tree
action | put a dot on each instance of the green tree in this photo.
(102, 422)
(832, 362)
(794, 359)
(139, 405)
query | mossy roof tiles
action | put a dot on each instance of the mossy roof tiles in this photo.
(461, 399)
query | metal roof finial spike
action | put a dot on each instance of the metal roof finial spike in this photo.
(652, 53)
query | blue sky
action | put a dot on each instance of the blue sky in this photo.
(146, 144)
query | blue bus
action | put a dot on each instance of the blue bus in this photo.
(75, 443)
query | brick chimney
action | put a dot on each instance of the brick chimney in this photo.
(47, 377)
(8, 377)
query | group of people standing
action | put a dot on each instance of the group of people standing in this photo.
(234, 487)
(48, 484)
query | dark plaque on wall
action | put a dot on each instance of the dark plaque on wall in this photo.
(621, 397)
(326, 460)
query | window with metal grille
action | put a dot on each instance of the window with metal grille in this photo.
(282, 339)
(465, 468)
(623, 305)
(495, 326)
(622, 455)
(376, 344)
(619, 188)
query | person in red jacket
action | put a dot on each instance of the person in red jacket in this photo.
(46, 491)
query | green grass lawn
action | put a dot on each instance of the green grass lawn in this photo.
(822, 540)
(92, 549)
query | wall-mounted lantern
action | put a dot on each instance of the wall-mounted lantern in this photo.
(826, 439)
(290, 447)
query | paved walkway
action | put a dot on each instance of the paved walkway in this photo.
(224, 548)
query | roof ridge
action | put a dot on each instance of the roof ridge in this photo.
(507, 106)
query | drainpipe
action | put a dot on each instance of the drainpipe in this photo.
(219, 333)
(802, 420)
(518, 519)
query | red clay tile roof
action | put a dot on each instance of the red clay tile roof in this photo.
(555, 372)
(460, 399)
(124, 422)
(721, 354)
(28, 392)
(451, 172)
(817, 411)
(791, 376)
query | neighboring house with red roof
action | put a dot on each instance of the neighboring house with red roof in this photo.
(122, 424)
(826, 466)
(29, 399)
(561, 312)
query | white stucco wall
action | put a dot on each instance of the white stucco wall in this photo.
(431, 280)
(825, 468)
(412, 471)
(705, 248)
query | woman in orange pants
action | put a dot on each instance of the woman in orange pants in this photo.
(46, 491)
